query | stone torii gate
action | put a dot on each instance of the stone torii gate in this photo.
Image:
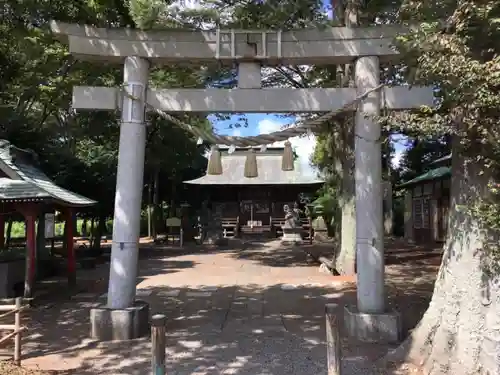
(250, 49)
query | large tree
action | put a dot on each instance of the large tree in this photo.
(79, 150)
(455, 47)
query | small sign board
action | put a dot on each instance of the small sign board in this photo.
(50, 224)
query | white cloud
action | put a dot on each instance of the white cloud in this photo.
(303, 146)
(236, 133)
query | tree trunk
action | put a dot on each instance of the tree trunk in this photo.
(91, 232)
(99, 231)
(345, 259)
(345, 262)
(156, 205)
(460, 331)
(150, 207)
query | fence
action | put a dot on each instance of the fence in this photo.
(16, 328)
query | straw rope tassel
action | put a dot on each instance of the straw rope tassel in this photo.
(215, 162)
(287, 159)
(251, 165)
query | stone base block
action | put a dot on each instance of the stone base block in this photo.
(108, 324)
(381, 328)
(320, 236)
(291, 238)
(216, 240)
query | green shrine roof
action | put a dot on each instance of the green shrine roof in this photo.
(268, 167)
(26, 182)
(433, 174)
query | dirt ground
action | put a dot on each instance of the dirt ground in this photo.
(274, 282)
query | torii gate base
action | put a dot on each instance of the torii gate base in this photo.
(125, 318)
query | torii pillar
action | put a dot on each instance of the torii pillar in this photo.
(125, 318)
(370, 321)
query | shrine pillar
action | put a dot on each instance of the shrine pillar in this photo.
(124, 318)
(70, 246)
(2, 231)
(369, 321)
(368, 176)
(30, 215)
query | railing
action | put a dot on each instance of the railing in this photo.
(15, 328)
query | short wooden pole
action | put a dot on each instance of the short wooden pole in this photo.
(333, 344)
(17, 337)
(158, 344)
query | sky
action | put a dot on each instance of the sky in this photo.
(267, 123)
(262, 123)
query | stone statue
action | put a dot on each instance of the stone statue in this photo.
(292, 219)
(213, 226)
(293, 227)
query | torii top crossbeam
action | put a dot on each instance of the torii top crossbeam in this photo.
(332, 45)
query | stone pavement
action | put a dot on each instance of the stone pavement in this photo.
(253, 309)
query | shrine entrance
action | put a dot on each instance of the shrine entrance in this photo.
(365, 48)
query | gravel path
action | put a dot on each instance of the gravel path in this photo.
(255, 309)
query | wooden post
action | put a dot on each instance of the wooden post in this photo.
(17, 337)
(333, 344)
(30, 254)
(310, 229)
(71, 267)
(2, 231)
(158, 344)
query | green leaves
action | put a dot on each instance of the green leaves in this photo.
(145, 13)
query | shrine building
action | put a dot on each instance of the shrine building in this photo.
(254, 204)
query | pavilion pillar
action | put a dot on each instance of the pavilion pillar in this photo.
(70, 246)
(370, 321)
(129, 183)
(30, 274)
(2, 231)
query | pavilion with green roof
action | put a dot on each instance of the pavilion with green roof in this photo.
(427, 203)
(26, 189)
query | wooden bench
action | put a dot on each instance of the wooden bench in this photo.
(81, 254)
(277, 226)
(231, 226)
(306, 228)
(256, 230)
